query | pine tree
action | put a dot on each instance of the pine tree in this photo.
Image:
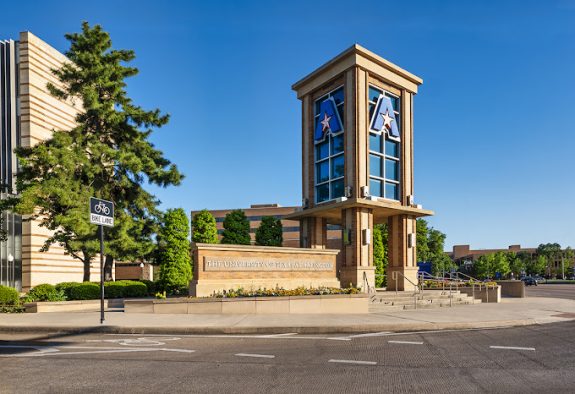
(204, 228)
(270, 232)
(236, 228)
(107, 155)
(174, 252)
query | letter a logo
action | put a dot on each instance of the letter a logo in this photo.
(383, 119)
(328, 121)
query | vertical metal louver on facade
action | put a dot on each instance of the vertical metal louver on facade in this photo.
(11, 249)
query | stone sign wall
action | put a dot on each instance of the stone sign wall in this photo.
(264, 264)
(224, 267)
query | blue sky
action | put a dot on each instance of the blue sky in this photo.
(494, 119)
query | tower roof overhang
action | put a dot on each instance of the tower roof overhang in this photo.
(382, 210)
(358, 56)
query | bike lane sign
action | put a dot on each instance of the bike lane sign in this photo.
(101, 212)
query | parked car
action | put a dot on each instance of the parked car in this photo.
(529, 281)
(539, 278)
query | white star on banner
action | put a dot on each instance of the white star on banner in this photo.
(387, 119)
(325, 123)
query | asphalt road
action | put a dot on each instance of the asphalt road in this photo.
(553, 291)
(529, 359)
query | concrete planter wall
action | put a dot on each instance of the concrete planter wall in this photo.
(72, 306)
(512, 288)
(485, 294)
(347, 303)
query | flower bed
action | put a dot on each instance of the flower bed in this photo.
(281, 292)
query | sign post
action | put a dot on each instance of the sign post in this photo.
(102, 214)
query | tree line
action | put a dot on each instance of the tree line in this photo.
(504, 264)
(236, 229)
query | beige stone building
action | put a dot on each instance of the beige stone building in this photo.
(29, 115)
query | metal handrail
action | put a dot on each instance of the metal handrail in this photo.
(366, 283)
(395, 278)
(415, 287)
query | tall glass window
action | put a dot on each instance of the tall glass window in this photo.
(384, 171)
(329, 157)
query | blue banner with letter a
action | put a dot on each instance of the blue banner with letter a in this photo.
(328, 121)
(383, 119)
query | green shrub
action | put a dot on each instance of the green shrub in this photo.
(174, 251)
(8, 296)
(66, 287)
(151, 286)
(270, 232)
(135, 289)
(125, 289)
(113, 290)
(12, 309)
(85, 291)
(45, 292)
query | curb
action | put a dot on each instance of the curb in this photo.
(344, 329)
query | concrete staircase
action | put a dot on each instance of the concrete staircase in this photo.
(383, 301)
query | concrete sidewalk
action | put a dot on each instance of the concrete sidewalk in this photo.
(510, 312)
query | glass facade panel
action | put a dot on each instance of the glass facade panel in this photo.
(337, 96)
(392, 148)
(391, 191)
(384, 153)
(375, 142)
(340, 112)
(392, 169)
(322, 192)
(329, 154)
(337, 144)
(375, 165)
(394, 102)
(322, 171)
(337, 189)
(322, 150)
(11, 252)
(374, 94)
(337, 167)
(318, 104)
(375, 187)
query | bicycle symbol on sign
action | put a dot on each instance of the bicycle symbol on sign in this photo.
(102, 208)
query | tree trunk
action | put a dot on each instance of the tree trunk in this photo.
(87, 260)
(87, 263)
(108, 265)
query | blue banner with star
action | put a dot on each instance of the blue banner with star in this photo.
(383, 118)
(328, 121)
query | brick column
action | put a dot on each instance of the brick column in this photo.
(357, 254)
(401, 257)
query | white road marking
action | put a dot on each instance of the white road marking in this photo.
(371, 334)
(287, 334)
(254, 355)
(353, 362)
(232, 336)
(52, 351)
(512, 348)
(143, 341)
(406, 342)
(95, 352)
(339, 338)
